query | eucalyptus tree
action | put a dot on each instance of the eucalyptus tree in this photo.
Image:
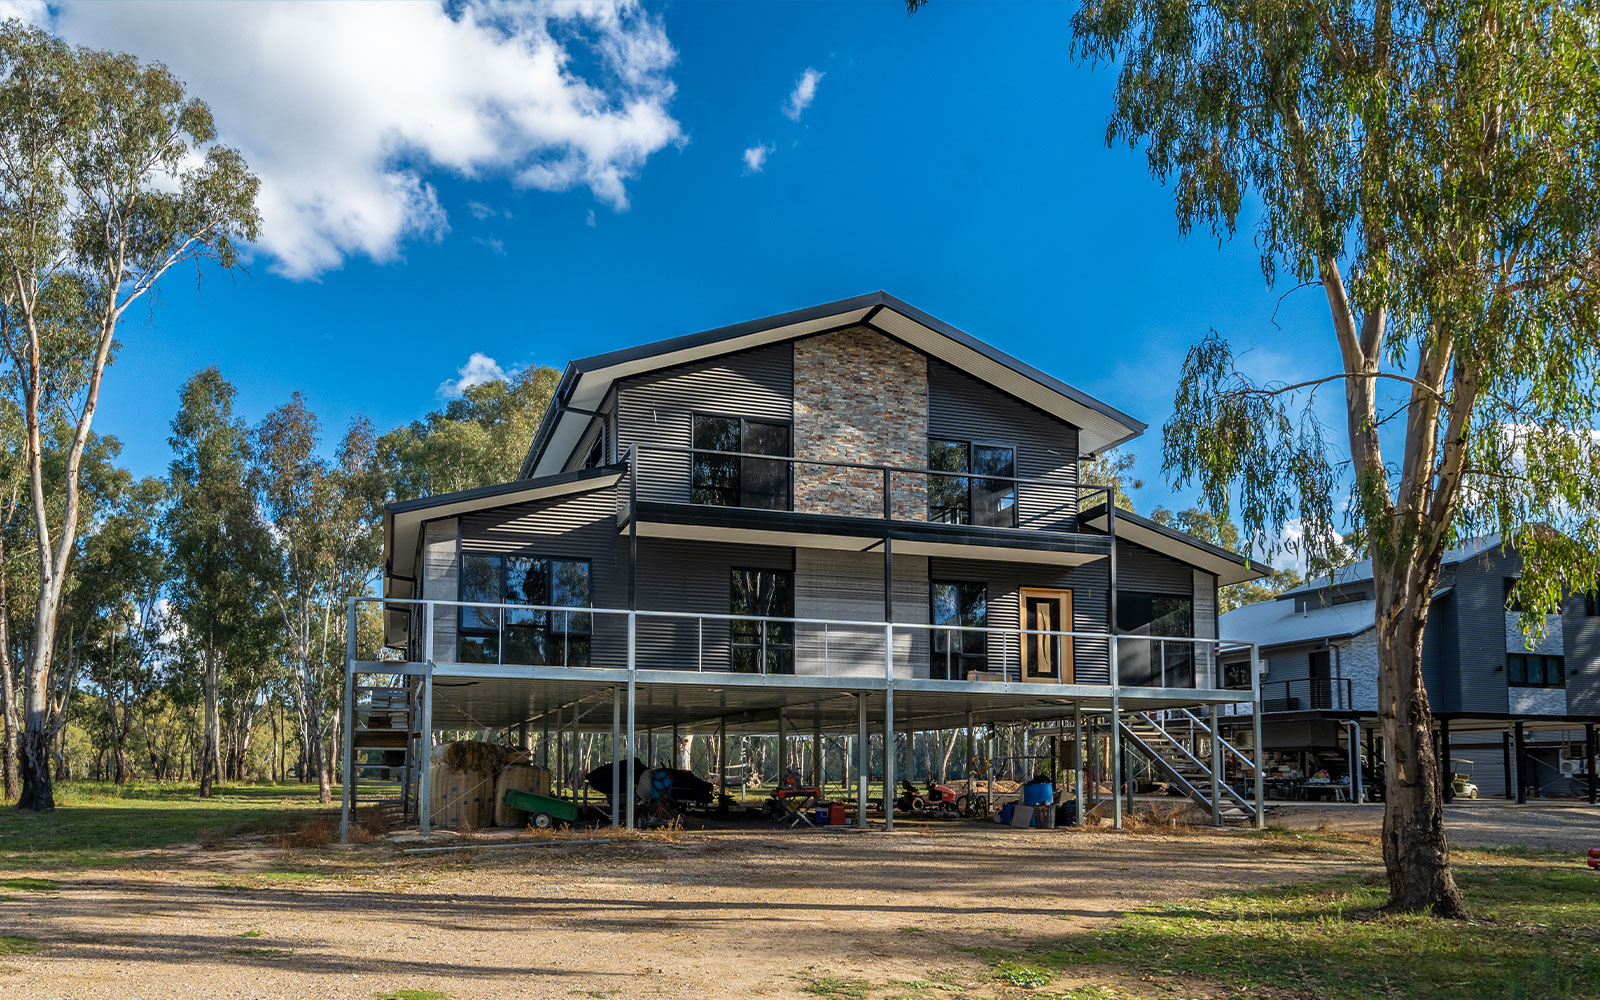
(325, 517)
(476, 440)
(109, 178)
(1433, 170)
(222, 555)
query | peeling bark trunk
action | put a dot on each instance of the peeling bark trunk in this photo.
(1416, 852)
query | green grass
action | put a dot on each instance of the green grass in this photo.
(94, 822)
(412, 995)
(11, 944)
(837, 987)
(30, 884)
(1534, 933)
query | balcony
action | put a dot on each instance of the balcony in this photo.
(714, 648)
(779, 499)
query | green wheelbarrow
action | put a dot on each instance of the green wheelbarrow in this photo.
(543, 811)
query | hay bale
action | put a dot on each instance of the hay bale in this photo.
(525, 777)
(471, 755)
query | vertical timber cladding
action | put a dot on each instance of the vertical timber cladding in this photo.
(657, 408)
(966, 409)
(860, 397)
(441, 581)
(575, 526)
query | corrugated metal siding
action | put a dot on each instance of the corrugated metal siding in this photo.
(1480, 621)
(1090, 657)
(1582, 636)
(962, 407)
(677, 575)
(848, 586)
(581, 526)
(656, 408)
(1151, 572)
(1205, 627)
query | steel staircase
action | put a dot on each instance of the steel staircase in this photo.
(1148, 738)
(383, 744)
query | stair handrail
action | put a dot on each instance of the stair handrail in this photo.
(1226, 788)
(1229, 747)
(1188, 788)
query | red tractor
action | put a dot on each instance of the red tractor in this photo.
(938, 800)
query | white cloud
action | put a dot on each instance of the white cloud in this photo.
(495, 245)
(805, 91)
(755, 158)
(590, 220)
(345, 110)
(480, 369)
(479, 210)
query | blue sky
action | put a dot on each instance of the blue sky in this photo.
(955, 159)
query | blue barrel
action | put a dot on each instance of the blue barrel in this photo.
(1038, 793)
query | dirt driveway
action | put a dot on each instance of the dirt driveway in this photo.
(1562, 825)
(707, 915)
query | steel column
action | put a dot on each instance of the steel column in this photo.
(863, 762)
(1505, 753)
(633, 736)
(616, 757)
(1116, 738)
(1259, 761)
(1080, 798)
(1519, 755)
(1219, 768)
(1589, 758)
(425, 770)
(348, 801)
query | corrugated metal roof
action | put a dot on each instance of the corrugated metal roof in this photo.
(1277, 623)
(1357, 572)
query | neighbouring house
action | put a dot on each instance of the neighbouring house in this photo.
(1516, 714)
(847, 518)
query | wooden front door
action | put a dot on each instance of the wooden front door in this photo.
(1046, 658)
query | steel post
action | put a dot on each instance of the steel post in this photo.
(1116, 739)
(1081, 800)
(863, 762)
(1259, 762)
(616, 757)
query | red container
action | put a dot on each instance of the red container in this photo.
(836, 814)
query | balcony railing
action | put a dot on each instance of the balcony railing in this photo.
(1306, 695)
(664, 473)
(615, 638)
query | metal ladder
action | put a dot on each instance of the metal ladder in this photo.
(1194, 777)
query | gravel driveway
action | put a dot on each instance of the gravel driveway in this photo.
(1563, 826)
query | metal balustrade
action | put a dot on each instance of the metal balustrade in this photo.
(707, 642)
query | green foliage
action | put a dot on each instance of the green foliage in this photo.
(1535, 936)
(1025, 976)
(477, 440)
(1114, 469)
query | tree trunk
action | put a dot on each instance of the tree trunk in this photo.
(38, 794)
(1416, 853)
(211, 731)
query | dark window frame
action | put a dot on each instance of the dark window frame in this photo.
(1591, 602)
(743, 449)
(748, 639)
(1180, 657)
(968, 477)
(546, 631)
(1236, 675)
(942, 659)
(1517, 665)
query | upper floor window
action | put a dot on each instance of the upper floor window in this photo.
(596, 456)
(1236, 675)
(956, 652)
(524, 636)
(762, 646)
(1591, 602)
(1535, 670)
(723, 477)
(1148, 661)
(972, 497)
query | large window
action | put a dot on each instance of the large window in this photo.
(762, 646)
(1534, 670)
(731, 480)
(520, 635)
(972, 497)
(1147, 662)
(954, 653)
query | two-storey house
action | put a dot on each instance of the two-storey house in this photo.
(847, 517)
(1517, 714)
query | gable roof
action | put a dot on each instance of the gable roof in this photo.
(1228, 567)
(1277, 623)
(1360, 572)
(586, 382)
